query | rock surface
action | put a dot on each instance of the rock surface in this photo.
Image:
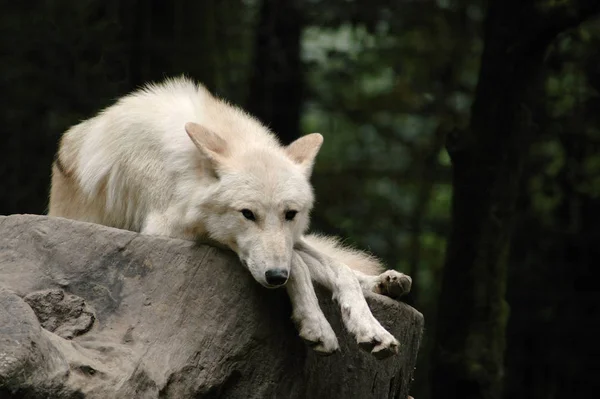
(88, 311)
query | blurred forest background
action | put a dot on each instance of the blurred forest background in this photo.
(462, 145)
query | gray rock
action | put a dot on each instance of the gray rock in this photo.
(63, 314)
(88, 311)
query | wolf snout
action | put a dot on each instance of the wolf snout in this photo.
(276, 277)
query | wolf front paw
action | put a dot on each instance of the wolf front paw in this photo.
(393, 284)
(378, 342)
(319, 335)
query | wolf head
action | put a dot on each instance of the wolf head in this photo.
(261, 201)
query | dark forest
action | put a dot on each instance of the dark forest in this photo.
(462, 146)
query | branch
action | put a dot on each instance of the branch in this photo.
(568, 15)
(556, 19)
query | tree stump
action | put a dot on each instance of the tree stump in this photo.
(88, 311)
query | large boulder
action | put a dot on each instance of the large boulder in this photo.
(88, 311)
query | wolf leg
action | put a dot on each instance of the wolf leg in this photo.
(347, 291)
(157, 224)
(368, 269)
(308, 316)
(164, 224)
(389, 283)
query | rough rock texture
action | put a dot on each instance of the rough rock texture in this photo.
(95, 312)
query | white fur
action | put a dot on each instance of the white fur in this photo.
(173, 160)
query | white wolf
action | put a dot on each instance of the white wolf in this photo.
(227, 180)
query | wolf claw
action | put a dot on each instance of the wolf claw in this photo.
(322, 349)
(393, 284)
(381, 344)
(320, 337)
(381, 352)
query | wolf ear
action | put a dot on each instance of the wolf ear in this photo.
(210, 144)
(304, 150)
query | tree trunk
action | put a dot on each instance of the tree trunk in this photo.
(276, 85)
(549, 276)
(487, 162)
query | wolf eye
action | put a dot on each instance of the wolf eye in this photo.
(290, 215)
(248, 214)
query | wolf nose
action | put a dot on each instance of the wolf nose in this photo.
(276, 277)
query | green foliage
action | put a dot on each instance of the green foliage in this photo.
(379, 108)
(568, 93)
